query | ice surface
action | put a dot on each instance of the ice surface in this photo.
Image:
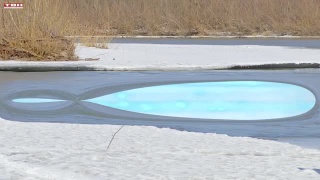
(174, 57)
(163, 56)
(74, 151)
(36, 100)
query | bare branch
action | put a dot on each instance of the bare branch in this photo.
(114, 136)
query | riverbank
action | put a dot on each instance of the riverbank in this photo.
(37, 32)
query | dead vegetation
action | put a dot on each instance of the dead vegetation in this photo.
(97, 42)
(37, 32)
(198, 17)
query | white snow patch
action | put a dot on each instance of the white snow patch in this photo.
(174, 57)
(75, 151)
(155, 56)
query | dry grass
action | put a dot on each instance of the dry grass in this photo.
(96, 42)
(37, 31)
(198, 17)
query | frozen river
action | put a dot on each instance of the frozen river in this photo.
(75, 87)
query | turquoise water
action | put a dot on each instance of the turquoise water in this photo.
(35, 100)
(229, 100)
(233, 100)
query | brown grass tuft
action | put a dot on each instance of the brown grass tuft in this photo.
(96, 42)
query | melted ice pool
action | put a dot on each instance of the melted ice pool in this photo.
(229, 100)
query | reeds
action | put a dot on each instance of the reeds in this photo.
(36, 32)
(198, 17)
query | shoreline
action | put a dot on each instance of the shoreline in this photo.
(36, 67)
(200, 37)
